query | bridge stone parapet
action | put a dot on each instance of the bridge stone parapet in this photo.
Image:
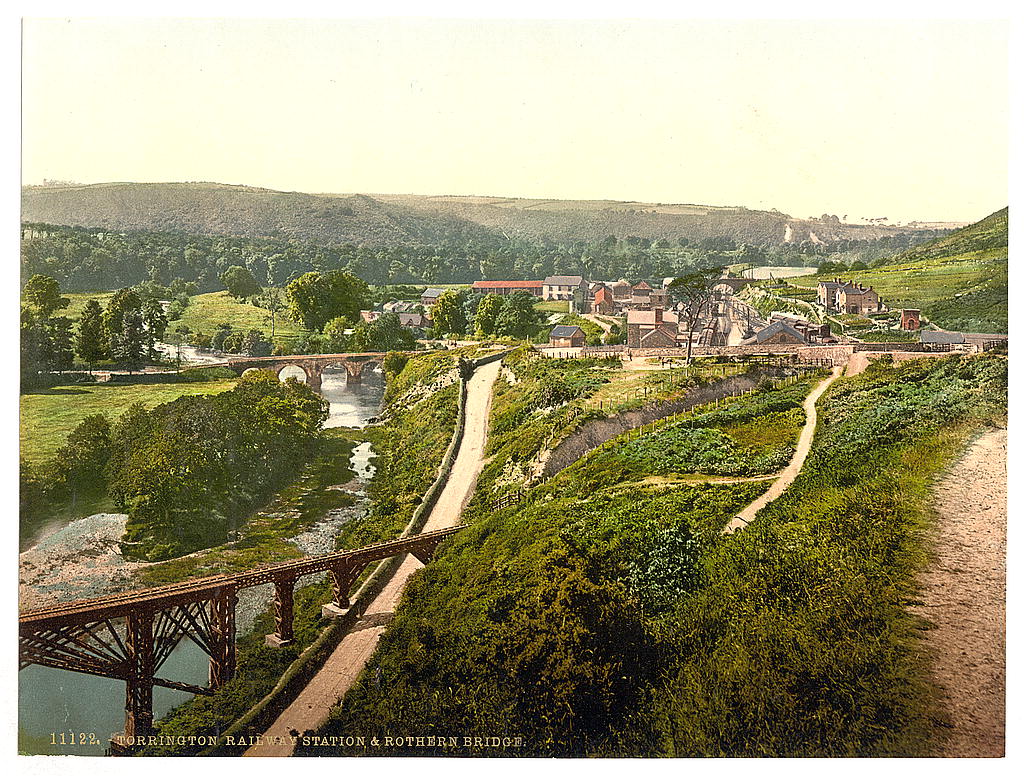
(312, 365)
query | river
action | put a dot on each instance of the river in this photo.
(52, 702)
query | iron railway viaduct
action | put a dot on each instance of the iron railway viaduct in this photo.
(129, 636)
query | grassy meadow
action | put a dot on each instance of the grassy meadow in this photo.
(49, 415)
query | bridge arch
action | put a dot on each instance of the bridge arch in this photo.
(292, 370)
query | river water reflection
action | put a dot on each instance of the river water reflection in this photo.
(51, 701)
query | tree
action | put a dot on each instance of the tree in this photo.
(517, 316)
(42, 293)
(691, 294)
(385, 333)
(447, 313)
(222, 333)
(239, 282)
(62, 344)
(255, 343)
(272, 301)
(129, 344)
(335, 336)
(122, 302)
(81, 461)
(487, 314)
(156, 324)
(315, 298)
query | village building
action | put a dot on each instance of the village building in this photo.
(845, 297)
(509, 287)
(778, 333)
(814, 333)
(652, 328)
(622, 291)
(910, 320)
(567, 337)
(429, 297)
(563, 287)
(400, 306)
(603, 302)
(414, 320)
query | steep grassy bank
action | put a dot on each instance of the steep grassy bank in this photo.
(606, 615)
(959, 282)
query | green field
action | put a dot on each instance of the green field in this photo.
(959, 281)
(207, 310)
(48, 416)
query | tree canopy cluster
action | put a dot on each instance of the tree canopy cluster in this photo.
(186, 472)
(85, 259)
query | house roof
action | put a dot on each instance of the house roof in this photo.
(943, 337)
(603, 294)
(413, 319)
(508, 284)
(646, 317)
(566, 331)
(659, 334)
(432, 292)
(778, 327)
(643, 285)
(563, 280)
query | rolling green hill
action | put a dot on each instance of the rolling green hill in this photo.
(244, 211)
(393, 220)
(958, 281)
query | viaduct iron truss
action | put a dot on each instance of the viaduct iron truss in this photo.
(129, 636)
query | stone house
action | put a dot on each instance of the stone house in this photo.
(429, 296)
(910, 320)
(656, 328)
(778, 333)
(603, 302)
(563, 287)
(841, 296)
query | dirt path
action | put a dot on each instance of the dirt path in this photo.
(803, 447)
(607, 327)
(312, 706)
(859, 361)
(963, 593)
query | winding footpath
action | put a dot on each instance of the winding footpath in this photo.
(328, 686)
(963, 595)
(803, 447)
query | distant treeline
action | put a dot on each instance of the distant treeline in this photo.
(88, 259)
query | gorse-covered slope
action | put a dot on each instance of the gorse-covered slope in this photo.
(958, 281)
(405, 220)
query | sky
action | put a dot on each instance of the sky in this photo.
(903, 119)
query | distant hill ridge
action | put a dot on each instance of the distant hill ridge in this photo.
(403, 220)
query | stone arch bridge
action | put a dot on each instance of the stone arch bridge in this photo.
(312, 365)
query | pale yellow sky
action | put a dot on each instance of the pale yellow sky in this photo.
(901, 119)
